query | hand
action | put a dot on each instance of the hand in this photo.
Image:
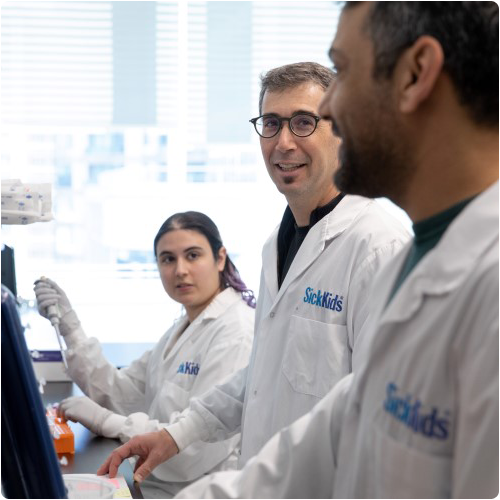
(153, 448)
(82, 409)
(49, 293)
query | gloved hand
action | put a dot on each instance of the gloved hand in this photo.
(49, 293)
(99, 420)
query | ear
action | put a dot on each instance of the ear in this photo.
(221, 259)
(420, 68)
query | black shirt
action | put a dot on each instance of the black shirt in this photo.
(291, 236)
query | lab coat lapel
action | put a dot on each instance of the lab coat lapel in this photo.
(309, 251)
(221, 302)
(174, 341)
(186, 336)
(446, 266)
(325, 230)
(270, 261)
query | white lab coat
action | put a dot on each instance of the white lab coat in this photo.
(421, 418)
(303, 344)
(157, 387)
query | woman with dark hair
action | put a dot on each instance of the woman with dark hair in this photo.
(209, 342)
(196, 221)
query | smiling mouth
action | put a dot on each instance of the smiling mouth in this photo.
(289, 167)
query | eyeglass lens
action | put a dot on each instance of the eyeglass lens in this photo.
(301, 125)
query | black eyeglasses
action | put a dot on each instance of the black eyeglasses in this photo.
(301, 124)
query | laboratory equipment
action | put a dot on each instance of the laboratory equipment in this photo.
(85, 486)
(25, 203)
(30, 467)
(53, 314)
(64, 439)
(48, 365)
(9, 269)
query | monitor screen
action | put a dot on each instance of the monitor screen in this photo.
(9, 269)
(30, 467)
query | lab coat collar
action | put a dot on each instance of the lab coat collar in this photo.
(446, 266)
(328, 228)
(218, 306)
(221, 302)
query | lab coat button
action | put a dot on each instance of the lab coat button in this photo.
(271, 315)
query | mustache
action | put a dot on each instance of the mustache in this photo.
(290, 159)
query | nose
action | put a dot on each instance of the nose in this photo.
(181, 268)
(324, 105)
(286, 139)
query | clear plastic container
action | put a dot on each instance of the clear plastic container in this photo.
(79, 486)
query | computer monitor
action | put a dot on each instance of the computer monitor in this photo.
(30, 467)
(9, 269)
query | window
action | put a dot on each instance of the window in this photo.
(134, 111)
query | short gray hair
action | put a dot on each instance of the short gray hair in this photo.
(292, 75)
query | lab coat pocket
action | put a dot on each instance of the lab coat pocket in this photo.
(316, 356)
(406, 472)
(169, 399)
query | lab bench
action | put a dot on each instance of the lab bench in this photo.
(91, 450)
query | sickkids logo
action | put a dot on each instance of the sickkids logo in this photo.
(189, 368)
(326, 300)
(410, 412)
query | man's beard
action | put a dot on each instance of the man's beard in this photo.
(375, 167)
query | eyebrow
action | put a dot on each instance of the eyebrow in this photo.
(192, 248)
(167, 252)
(297, 112)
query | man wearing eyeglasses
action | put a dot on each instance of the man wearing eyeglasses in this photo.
(313, 299)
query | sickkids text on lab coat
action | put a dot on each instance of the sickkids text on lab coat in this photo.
(300, 349)
(355, 444)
